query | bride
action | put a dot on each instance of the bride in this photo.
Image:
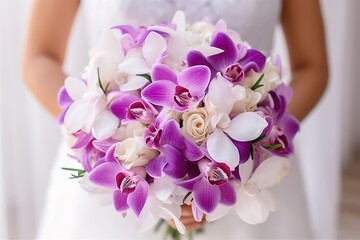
(70, 212)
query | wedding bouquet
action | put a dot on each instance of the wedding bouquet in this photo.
(174, 114)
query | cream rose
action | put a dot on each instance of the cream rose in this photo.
(196, 124)
(270, 80)
(245, 99)
(132, 153)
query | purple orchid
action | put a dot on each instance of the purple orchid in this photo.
(130, 188)
(132, 107)
(177, 92)
(233, 63)
(87, 152)
(175, 150)
(64, 101)
(211, 187)
(282, 126)
(131, 36)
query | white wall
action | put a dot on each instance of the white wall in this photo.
(3, 224)
(29, 136)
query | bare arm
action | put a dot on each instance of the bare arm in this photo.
(49, 27)
(304, 32)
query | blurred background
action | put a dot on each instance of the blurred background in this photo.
(327, 145)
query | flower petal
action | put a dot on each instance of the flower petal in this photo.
(147, 219)
(160, 93)
(228, 194)
(154, 47)
(163, 187)
(75, 87)
(195, 79)
(64, 99)
(136, 200)
(171, 134)
(120, 201)
(104, 175)
(270, 172)
(110, 154)
(207, 50)
(219, 212)
(119, 105)
(134, 65)
(155, 167)
(82, 141)
(206, 196)
(245, 170)
(197, 58)
(179, 225)
(254, 60)
(103, 146)
(192, 151)
(220, 26)
(61, 117)
(244, 149)
(189, 183)
(104, 125)
(103, 196)
(246, 126)
(197, 213)
(163, 72)
(179, 21)
(219, 88)
(222, 60)
(133, 83)
(267, 199)
(222, 149)
(176, 166)
(291, 126)
(77, 116)
(250, 209)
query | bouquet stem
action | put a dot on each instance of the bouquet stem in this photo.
(173, 234)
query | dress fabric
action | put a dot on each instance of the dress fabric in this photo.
(70, 213)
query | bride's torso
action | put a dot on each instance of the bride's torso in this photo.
(255, 20)
(80, 216)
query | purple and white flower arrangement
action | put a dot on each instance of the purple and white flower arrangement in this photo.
(174, 114)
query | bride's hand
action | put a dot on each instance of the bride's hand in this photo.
(188, 220)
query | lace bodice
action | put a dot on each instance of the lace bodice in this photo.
(255, 20)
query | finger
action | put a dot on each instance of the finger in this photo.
(189, 226)
(186, 210)
(194, 226)
(186, 220)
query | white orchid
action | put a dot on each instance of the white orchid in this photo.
(104, 60)
(89, 111)
(254, 201)
(139, 61)
(244, 127)
(163, 203)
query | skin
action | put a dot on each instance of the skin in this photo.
(51, 21)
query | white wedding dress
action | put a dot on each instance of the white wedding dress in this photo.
(70, 213)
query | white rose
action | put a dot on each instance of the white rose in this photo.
(198, 33)
(132, 153)
(196, 124)
(245, 99)
(270, 80)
